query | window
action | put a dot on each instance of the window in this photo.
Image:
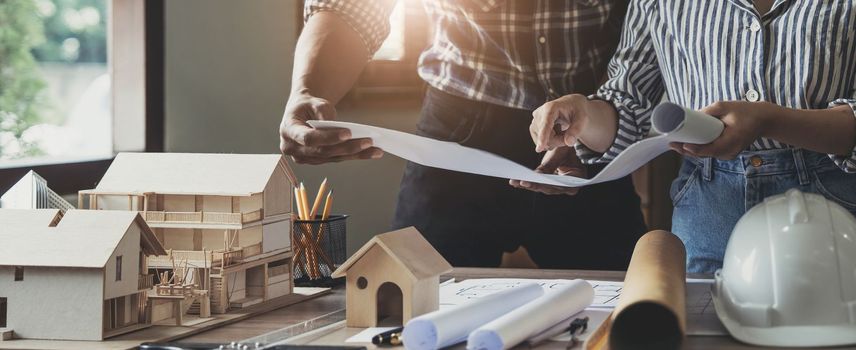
(3, 308)
(19, 273)
(392, 70)
(133, 34)
(119, 268)
(55, 102)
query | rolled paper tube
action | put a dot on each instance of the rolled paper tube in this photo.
(532, 318)
(651, 311)
(685, 125)
(450, 326)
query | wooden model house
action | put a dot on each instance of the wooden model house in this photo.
(83, 278)
(32, 192)
(224, 219)
(391, 279)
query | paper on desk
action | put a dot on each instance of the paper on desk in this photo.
(689, 128)
(532, 318)
(450, 326)
(701, 318)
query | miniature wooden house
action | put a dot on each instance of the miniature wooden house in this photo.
(83, 278)
(391, 279)
(224, 219)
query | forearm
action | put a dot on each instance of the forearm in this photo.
(831, 131)
(601, 126)
(328, 58)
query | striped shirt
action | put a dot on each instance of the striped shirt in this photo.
(513, 53)
(801, 54)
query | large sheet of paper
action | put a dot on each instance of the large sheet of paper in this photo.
(532, 318)
(676, 127)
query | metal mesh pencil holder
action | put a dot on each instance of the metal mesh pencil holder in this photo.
(319, 247)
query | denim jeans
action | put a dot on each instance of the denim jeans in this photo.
(710, 195)
(473, 219)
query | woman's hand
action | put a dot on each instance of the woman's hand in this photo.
(744, 122)
(561, 161)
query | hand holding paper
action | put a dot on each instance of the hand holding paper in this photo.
(676, 123)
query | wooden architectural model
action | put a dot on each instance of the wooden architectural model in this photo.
(32, 192)
(391, 279)
(78, 276)
(224, 220)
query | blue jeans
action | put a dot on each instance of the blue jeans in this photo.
(710, 195)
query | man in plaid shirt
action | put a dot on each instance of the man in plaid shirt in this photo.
(490, 64)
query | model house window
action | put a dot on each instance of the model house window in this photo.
(119, 268)
(19, 273)
(2, 312)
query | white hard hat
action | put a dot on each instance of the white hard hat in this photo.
(789, 274)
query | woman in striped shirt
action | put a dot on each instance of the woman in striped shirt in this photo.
(781, 75)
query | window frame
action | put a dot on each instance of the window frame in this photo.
(19, 273)
(136, 65)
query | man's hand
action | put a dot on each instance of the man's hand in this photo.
(744, 123)
(562, 161)
(308, 145)
(559, 123)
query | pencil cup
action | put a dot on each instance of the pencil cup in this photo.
(319, 248)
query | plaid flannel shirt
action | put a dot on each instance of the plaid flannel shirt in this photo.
(513, 53)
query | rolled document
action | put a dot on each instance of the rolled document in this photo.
(533, 318)
(651, 311)
(679, 124)
(446, 327)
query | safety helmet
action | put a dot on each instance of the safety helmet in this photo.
(788, 277)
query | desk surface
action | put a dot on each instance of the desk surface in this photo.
(297, 313)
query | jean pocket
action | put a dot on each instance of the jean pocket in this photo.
(681, 185)
(446, 117)
(838, 186)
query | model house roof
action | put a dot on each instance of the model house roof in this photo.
(87, 240)
(29, 217)
(32, 192)
(189, 173)
(407, 247)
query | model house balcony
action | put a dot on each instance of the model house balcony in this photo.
(197, 258)
(145, 281)
(158, 218)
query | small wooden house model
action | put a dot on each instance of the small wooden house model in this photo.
(224, 219)
(83, 278)
(391, 279)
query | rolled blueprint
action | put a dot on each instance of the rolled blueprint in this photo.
(651, 311)
(681, 124)
(450, 326)
(533, 318)
(677, 124)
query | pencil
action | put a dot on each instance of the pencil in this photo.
(318, 197)
(303, 205)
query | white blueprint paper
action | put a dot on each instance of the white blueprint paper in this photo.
(453, 156)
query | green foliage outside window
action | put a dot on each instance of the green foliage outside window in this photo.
(22, 98)
(33, 31)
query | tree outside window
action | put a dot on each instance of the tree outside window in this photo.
(54, 82)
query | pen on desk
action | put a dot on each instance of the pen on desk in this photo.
(390, 337)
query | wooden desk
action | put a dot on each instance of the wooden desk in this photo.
(297, 313)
